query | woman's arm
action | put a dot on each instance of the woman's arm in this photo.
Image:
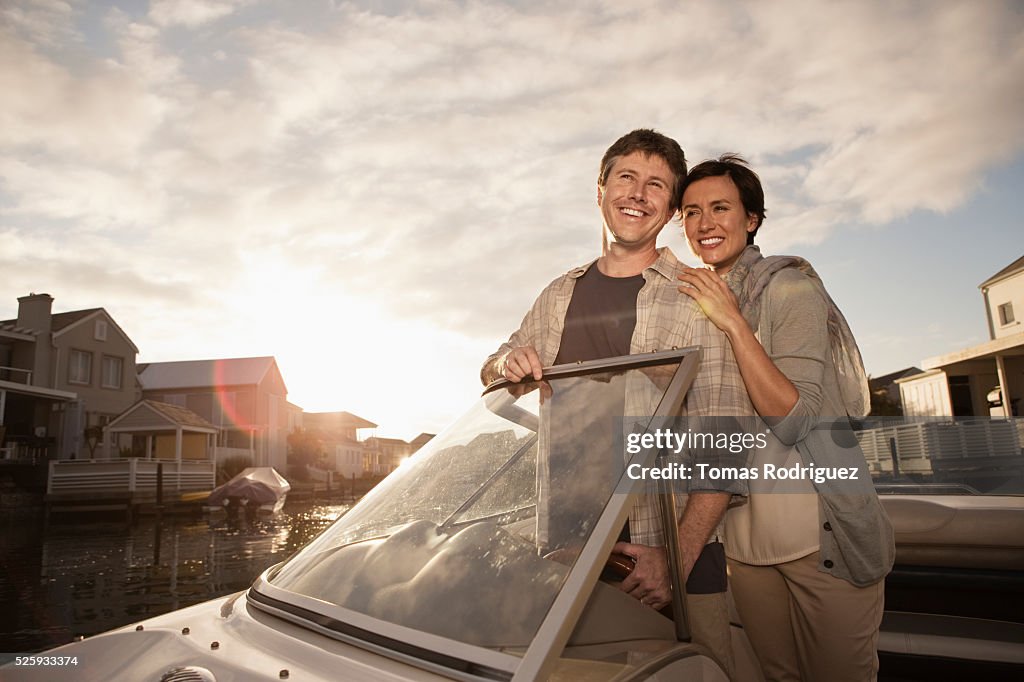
(786, 390)
(770, 391)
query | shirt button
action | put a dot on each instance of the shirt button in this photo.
(828, 563)
(828, 526)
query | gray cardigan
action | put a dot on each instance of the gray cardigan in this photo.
(797, 324)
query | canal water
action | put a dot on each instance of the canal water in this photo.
(88, 576)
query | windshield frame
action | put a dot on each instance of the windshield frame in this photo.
(561, 618)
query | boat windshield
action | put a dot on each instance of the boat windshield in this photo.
(472, 538)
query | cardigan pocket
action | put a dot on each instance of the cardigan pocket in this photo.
(860, 537)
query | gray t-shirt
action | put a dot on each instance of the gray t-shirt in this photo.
(601, 317)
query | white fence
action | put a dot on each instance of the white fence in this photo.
(127, 476)
(925, 446)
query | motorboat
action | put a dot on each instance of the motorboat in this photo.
(484, 557)
(254, 489)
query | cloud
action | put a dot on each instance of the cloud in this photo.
(438, 163)
(190, 13)
(45, 22)
(99, 113)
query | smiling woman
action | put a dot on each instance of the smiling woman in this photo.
(721, 213)
(789, 554)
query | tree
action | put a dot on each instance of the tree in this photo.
(883, 406)
(305, 449)
(93, 436)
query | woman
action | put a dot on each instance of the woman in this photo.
(806, 570)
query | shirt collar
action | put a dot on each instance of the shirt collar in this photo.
(666, 265)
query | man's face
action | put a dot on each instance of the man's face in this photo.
(715, 221)
(636, 200)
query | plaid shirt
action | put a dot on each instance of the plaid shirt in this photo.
(665, 319)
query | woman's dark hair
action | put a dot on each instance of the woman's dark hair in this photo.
(749, 185)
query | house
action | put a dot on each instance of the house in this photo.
(245, 398)
(384, 455)
(167, 432)
(1004, 300)
(61, 373)
(173, 450)
(336, 425)
(343, 442)
(345, 456)
(885, 392)
(419, 441)
(294, 417)
(983, 380)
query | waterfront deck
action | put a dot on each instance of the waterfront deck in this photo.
(130, 484)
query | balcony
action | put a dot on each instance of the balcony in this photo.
(16, 375)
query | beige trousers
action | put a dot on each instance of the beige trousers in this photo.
(806, 625)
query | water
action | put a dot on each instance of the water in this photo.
(87, 577)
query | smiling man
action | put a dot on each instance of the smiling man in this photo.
(626, 302)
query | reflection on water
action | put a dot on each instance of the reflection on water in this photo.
(83, 578)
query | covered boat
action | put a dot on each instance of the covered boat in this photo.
(259, 488)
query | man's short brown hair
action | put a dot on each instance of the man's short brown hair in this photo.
(651, 143)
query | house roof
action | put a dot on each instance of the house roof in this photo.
(205, 373)
(9, 329)
(1011, 269)
(10, 324)
(886, 379)
(386, 441)
(37, 391)
(178, 414)
(167, 414)
(66, 319)
(337, 420)
(1007, 346)
(422, 438)
(61, 322)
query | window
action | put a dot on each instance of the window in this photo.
(80, 367)
(100, 330)
(112, 370)
(1006, 314)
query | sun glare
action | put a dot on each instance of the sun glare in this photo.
(335, 351)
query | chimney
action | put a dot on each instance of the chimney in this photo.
(35, 315)
(34, 312)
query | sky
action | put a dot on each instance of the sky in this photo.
(375, 192)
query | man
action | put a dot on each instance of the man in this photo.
(626, 302)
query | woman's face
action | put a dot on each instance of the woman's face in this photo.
(715, 221)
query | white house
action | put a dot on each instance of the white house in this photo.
(983, 380)
(342, 434)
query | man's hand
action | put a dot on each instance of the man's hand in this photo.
(649, 582)
(520, 363)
